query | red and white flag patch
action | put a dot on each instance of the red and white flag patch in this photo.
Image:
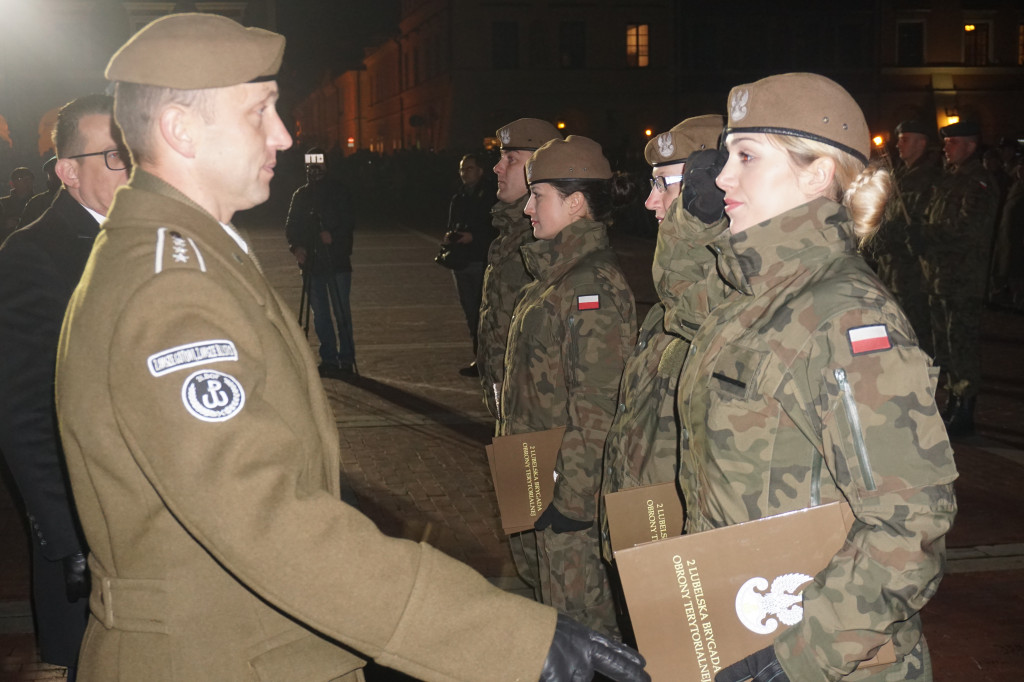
(874, 337)
(590, 302)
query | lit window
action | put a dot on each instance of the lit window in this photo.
(976, 44)
(637, 45)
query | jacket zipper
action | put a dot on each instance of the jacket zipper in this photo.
(858, 437)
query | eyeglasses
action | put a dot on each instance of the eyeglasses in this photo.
(662, 182)
(114, 159)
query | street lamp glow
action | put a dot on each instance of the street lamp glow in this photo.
(878, 140)
(648, 132)
(969, 27)
(560, 125)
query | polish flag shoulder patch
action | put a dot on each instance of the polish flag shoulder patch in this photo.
(590, 302)
(869, 339)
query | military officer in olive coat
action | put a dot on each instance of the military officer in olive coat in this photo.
(201, 447)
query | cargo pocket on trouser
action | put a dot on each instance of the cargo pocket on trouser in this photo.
(307, 658)
(574, 580)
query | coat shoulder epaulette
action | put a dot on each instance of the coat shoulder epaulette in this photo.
(176, 250)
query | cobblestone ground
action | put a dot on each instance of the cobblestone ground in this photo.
(413, 429)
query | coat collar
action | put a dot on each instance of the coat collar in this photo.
(509, 218)
(761, 257)
(547, 258)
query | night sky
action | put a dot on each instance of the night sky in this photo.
(329, 36)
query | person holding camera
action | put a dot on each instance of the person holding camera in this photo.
(319, 232)
(465, 243)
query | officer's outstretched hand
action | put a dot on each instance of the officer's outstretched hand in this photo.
(559, 522)
(760, 666)
(577, 653)
(701, 196)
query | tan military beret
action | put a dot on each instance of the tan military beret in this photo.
(803, 105)
(574, 158)
(197, 51)
(526, 133)
(692, 135)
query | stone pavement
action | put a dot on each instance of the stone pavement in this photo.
(412, 431)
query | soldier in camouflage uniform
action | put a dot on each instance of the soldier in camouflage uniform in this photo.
(805, 385)
(643, 443)
(956, 243)
(898, 265)
(504, 277)
(570, 334)
(506, 274)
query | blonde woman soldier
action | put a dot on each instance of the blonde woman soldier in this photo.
(806, 385)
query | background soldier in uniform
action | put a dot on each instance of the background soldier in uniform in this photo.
(505, 275)
(956, 245)
(202, 449)
(898, 259)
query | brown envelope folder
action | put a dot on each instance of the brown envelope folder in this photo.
(644, 514)
(523, 467)
(693, 599)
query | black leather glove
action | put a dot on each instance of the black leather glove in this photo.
(701, 196)
(577, 653)
(76, 577)
(559, 522)
(760, 666)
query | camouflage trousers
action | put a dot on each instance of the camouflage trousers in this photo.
(524, 554)
(572, 577)
(956, 334)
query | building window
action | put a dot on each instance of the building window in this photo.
(1020, 45)
(637, 45)
(976, 43)
(505, 45)
(572, 45)
(910, 43)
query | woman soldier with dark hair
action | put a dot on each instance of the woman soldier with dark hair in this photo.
(572, 329)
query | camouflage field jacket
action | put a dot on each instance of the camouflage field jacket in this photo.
(643, 443)
(896, 257)
(569, 337)
(504, 278)
(642, 447)
(957, 241)
(809, 363)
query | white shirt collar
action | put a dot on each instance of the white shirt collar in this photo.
(237, 237)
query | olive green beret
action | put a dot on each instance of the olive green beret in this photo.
(197, 51)
(914, 127)
(802, 105)
(574, 158)
(526, 133)
(961, 129)
(692, 135)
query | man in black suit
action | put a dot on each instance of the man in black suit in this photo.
(40, 265)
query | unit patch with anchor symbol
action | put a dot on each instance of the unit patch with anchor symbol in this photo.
(212, 396)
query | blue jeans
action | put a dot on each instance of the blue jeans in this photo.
(335, 348)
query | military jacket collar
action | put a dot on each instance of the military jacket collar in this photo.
(509, 218)
(769, 253)
(147, 195)
(547, 258)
